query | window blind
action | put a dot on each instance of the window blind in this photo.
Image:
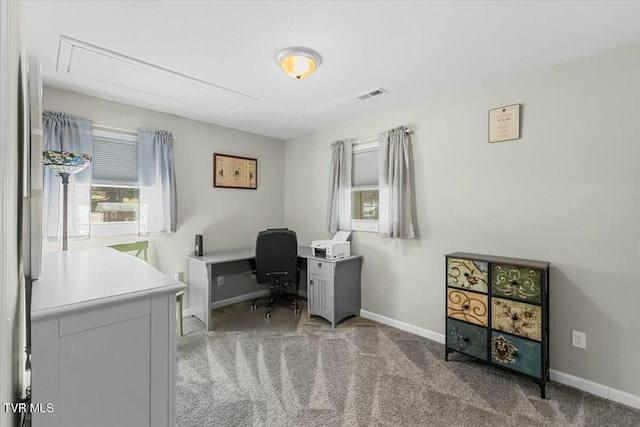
(364, 170)
(115, 162)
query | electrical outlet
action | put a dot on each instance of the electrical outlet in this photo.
(579, 339)
(220, 280)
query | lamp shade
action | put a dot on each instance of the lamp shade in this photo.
(65, 162)
(298, 62)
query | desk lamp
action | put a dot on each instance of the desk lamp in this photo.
(65, 164)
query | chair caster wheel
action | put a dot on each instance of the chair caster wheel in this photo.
(253, 307)
(296, 311)
(268, 315)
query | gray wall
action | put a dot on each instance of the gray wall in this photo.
(568, 192)
(12, 292)
(227, 218)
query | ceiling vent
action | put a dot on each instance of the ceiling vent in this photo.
(371, 94)
(124, 73)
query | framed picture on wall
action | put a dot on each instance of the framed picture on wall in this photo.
(235, 172)
(504, 123)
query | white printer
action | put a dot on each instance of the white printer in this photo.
(338, 247)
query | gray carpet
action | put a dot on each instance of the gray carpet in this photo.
(296, 371)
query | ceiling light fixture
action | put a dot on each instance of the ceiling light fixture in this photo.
(298, 62)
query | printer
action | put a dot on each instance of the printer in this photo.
(338, 247)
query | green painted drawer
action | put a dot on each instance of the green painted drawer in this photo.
(516, 353)
(467, 274)
(467, 338)
(517, 318)
(523, 283)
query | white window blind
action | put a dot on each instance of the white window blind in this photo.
(115, 162)
(364, 170)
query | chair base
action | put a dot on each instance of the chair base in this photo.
(274, 297)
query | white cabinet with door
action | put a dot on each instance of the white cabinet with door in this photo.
(333, 287)
(103, 341)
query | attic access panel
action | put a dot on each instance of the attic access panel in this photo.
(85, 60)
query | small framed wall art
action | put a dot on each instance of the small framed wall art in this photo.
(235, 172)
(504, 123)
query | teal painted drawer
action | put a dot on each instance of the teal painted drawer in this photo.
(467, 338)
(523, 283)
(516, 353)
(468, 274)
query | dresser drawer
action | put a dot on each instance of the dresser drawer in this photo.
(518, 318)
(468, 306)
(516, 353)
(322, 268)
(468, 274)
(523, 283)
(466, 338)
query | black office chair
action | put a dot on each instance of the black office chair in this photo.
(277, 265)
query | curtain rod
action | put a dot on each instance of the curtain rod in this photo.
(117, 130)
(375, 138)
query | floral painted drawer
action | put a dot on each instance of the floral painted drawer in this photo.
(516, 353)
(468, 306)
(466, 338)
(512, 312)
(517, 318)
(468, 274)
(523, 283)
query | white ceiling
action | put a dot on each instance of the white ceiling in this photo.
(414, 50)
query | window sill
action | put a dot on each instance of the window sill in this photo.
(370, 226)
(115, 229)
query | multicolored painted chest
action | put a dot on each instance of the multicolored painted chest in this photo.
(498, 311)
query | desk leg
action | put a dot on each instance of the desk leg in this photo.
(200, 292)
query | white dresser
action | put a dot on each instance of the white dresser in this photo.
(103, 341)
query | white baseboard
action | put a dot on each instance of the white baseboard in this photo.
(597, 389)
(434, 336)
(579, 383)
(600, 390)
(245, 297)
(239, 298)
(624, 398)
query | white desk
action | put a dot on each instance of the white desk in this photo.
(202, 271)
(103, 340)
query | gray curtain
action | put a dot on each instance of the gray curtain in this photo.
(339, 203)
(395, 197)
(158, 206)
(64, 132)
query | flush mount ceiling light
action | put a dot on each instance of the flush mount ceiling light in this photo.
(298, 62)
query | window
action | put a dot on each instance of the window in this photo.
(115, 200)
(364, 187)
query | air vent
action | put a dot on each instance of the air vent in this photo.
(371, 94)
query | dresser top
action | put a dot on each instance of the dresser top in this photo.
(77, 280)
(502, 260)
